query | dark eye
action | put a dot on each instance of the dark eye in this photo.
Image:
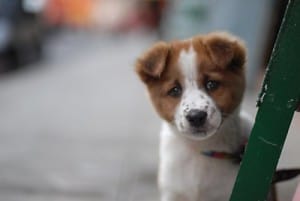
(212, 85)
(175, 91)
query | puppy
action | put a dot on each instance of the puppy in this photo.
(196, 87)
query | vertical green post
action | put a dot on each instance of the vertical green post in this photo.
(277, 102)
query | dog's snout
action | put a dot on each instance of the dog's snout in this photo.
(196, 118)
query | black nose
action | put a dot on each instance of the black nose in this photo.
(196, 118)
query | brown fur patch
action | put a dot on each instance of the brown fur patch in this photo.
(220, 57)
(223, 62)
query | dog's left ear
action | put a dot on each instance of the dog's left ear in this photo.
(226, 50)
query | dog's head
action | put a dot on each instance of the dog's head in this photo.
(195, 84)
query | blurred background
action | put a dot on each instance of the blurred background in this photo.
(75, 122)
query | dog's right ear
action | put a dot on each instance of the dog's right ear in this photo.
(152, 63)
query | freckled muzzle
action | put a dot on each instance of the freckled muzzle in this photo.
(197, 116)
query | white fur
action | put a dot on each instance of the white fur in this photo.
(194, 98)
(184, 173)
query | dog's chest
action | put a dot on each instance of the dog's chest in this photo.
(185, 170)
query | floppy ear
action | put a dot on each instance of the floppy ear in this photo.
(152, 63)
(226, 50)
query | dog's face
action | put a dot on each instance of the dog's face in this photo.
(195, 84)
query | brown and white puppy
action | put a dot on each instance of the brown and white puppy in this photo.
(197, 86)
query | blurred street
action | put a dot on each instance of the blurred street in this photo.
(75, 127)
(78, 126)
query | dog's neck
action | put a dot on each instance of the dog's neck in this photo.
(228, 138)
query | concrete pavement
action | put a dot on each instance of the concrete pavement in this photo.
(75, 126)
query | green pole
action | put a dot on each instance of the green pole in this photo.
(277, 102)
